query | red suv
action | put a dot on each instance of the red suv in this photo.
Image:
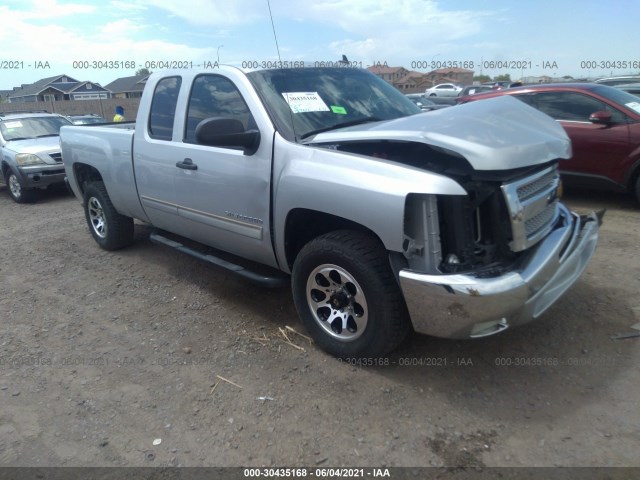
(603, 124)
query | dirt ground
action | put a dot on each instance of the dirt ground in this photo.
(146, 357)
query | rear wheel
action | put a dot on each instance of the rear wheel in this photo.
(109, 229)
(347, 296)
(17, 192)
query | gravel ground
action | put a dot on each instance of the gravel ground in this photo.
(146, 357)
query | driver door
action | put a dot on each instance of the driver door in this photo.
(223, 194)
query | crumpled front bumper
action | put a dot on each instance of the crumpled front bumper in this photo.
(466, 306)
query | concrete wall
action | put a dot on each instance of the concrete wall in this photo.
(105, 108)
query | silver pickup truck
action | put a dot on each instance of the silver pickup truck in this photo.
(383, 218)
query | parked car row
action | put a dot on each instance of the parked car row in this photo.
(444, 90)
(603, 124)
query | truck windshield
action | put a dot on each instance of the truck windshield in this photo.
(31, 127)
(306, 101)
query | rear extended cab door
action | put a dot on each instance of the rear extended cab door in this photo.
(217, 196)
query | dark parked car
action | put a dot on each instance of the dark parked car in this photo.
(604, 126)
(499, 85)
(87, 119)
(424, 103)
(473, 89)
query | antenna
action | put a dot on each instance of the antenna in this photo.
(274, 30)
(293, 123)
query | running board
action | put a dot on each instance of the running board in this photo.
(274, 281)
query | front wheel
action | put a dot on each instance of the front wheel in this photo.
(347, 296)
(108, 228)
(17, 192)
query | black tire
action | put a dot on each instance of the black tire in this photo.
(109, 229)
(637, 188)
(349, 271)
(17, 192)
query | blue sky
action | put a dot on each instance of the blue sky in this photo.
(550, 37)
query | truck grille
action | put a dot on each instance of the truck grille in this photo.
(530, 189)
(533, 207)
(541, 220)
(56, 156)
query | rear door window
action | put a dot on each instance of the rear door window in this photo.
(163, 108)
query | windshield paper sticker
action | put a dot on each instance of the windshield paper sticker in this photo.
(13, 124)
(338, 110)
(301, 102)
(635, 106)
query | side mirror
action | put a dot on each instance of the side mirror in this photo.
(227, 132)
(600, 116)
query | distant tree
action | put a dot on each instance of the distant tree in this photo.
(502, 78)
(143, 71)
(482, 78)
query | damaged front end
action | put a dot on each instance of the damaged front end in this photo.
(501, 262)
(468, 305)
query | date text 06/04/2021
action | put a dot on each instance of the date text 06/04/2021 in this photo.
(320, 472)
(408, 361)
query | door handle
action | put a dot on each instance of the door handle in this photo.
(187, 164)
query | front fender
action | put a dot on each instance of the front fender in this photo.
(369, 191)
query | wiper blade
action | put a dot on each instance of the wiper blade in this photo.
(19, 138)
(341, 125)
(47, 135)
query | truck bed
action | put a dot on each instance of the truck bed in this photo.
(108, 149)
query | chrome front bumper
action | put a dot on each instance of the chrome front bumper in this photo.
(466, 306)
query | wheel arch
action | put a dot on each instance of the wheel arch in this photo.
(5, 167)
(303, 225)
(85, 174)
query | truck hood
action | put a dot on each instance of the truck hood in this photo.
(496, 134)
